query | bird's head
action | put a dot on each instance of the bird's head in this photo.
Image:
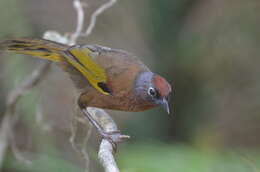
(154, 89)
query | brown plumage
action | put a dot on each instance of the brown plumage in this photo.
(122, 69)
(106, 78)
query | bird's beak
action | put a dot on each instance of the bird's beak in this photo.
(165, 105)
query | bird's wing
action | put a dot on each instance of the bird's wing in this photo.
(121, 68)
(82, 60)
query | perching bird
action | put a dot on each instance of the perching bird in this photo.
(107, 78)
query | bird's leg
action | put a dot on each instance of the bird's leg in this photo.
(113, 137)
(101, 123)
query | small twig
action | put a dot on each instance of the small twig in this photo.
(84, 150)
(28, 84)
(106, 149)
(39, 118)
(78, 5)
(96, 13)
(8, 122)
(73, 133)
(4, 137)
(17, 153)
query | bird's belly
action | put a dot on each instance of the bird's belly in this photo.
(124, 104)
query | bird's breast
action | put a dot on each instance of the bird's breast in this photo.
(123, 102)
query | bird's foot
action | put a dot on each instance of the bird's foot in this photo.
(114, 137)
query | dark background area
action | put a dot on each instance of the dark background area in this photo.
(207, 49)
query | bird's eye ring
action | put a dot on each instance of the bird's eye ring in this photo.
(152, 92)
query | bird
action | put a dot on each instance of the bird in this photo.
(106, 78)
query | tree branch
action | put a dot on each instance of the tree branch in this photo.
(78, 5)
(96, 13)
(105, 153)
(106, 149)
(12, 99)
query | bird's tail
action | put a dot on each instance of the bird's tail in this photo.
(36, 47)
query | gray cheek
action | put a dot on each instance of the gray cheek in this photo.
(141, 93)
(142, 83)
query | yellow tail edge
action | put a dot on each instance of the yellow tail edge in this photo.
(39, 48)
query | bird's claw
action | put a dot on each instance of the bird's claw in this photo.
(114, 137)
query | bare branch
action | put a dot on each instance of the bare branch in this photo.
(78, 5)
(106, 149)
(28, 84)
(17, 153)
(106, 157)
(8, 120)
(4, 137)
(105, 153)
(96, 13)
(84, 150)
(39, 119)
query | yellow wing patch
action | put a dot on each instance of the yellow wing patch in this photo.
(82, 60)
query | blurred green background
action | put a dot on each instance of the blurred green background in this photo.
(207, 49)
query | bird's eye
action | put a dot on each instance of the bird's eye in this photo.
(152, 92)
